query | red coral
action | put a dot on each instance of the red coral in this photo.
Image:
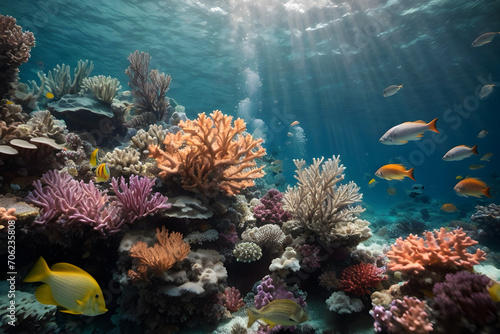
(439, 248)
(210, 155)
(230, 299)
(359, 277)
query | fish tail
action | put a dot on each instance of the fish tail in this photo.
(486, 192)
(474, 149)
(432, 125)
(253, 315)
(39, 272)
(409, 173)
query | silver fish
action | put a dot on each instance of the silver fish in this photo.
(486, 91)
(484, 39)
(391, 90)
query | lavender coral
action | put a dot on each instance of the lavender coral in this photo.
(271, 210)
(135, 199)
(464, 295)
(15, 47)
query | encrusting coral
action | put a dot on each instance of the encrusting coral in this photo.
(210, 155)
(321, 206)
(159, 258)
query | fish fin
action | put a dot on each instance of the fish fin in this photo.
(409, 173)
(419, 121)
(69, 268)
(474, 149)
(253, 315)
(486, 192)
(70, 311)
(401, 86)
(44, 295)
(402, 142)
(271, 324)
(432, 125)
(39, 272)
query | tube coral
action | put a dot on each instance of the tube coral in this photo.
(441, 248)
(210, 155)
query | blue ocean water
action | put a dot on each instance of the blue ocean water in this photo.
(322, 63)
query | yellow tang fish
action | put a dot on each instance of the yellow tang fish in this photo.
(102, 173)
(49, 95)
(459, 177)
(94, 158)
(278, 312)
(67, 286)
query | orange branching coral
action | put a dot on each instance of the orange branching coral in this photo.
(159, 258)
(211, 155)
(439, 248)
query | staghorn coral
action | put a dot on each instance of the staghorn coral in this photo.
(155, 260)
(358, 278)
(15, 47)
(210, 155)
(321, 206)
(124, 162)
(438, 248)
(104, 88)
(148, 88)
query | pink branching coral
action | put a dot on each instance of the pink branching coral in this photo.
(210, 155)
(438, 248)
(359, 277)
(15, 47)
(7, 214)
(405, 316)
(231, 299)
(135, 199)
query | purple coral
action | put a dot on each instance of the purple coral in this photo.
(465, 295)
(310, 256)
(271, 210)
(15, 47)
(66, 204)
(135, 199)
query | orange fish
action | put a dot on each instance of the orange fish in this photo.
(448, 207)
(472, 186)
(295, 123)
(394, 172)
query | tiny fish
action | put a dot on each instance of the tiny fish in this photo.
(94, 158)
(472, 186)
(460, 152)
(49, 95)
(494, 291)
(394, 172)
(459, 177)
(289, 134)
(372, 181)
(67, 286)
(486, 91)
(474, 167)
(9, 102)
(283, 312)
(295, 123)
(391, 191)
(392, 89)
(102, 173)
(482, 134)
(483, 39)
(486, 157)
(448, 207)
(402, 133)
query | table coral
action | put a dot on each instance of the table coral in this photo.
(210, 155)
(358, 278)
(441, 248)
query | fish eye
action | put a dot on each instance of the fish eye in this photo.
(97, 296)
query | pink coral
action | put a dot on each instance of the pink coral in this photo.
(439, 248)
(411, 315)
(231, 299)
(7, 214)
(359, 277)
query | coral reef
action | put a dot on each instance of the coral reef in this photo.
(270, 210)
(408, 315)
(15, 47)
(210, 155)
(148, 87)
(104, 88)
(325, 208)
(124, 162)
